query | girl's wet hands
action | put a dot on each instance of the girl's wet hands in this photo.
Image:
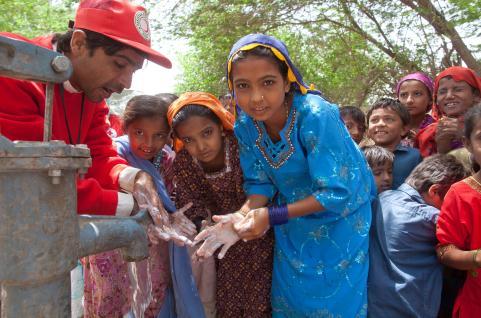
(221, 234)
(181, 224)
(254, 225)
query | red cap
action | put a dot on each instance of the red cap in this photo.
(122, 21)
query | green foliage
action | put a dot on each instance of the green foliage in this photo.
(34, 17)
(353, 50)
(466, 10)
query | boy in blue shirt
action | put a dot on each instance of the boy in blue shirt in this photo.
(380, 161)
(388, 121)
(405, 277)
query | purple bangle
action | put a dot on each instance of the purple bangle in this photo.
(278, 214)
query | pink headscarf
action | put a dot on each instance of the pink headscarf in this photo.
(418, 76)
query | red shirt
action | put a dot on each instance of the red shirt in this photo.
(459, 224)
(22, 106)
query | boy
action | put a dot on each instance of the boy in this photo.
(355, 122)
(380, 161)
(388, 122)
(405, 277)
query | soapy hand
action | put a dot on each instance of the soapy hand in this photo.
(162, 228)
(221, 234)
(181, 224)
(254, 225)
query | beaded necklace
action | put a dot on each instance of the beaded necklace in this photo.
(284, 155)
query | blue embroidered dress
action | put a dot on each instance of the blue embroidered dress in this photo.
(320, 260)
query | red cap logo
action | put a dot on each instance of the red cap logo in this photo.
(142, 24)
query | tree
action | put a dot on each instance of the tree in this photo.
(35, 17)
(355, 50)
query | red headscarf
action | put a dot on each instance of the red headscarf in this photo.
(425, 138)
(203, 99)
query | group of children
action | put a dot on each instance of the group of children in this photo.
(425, 214)
(289, 216)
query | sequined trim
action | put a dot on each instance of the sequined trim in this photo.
(158, 159)
(227, 167)
(473, 183)
(284, 157)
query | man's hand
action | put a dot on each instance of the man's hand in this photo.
(145, 193)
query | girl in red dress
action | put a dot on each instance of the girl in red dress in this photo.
(459, 224)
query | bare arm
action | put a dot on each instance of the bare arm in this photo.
(304, 207)
(254, 201)
(453, 257)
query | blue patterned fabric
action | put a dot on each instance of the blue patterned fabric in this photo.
(321, 260)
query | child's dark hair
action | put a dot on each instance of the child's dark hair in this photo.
(94, 40)
(261, 51)
(376, 155)
(356, 114)
(142, 106)
(472, 116)
(391, 104)
(194, 110)
(437, 169)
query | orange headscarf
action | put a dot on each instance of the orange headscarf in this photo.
(203, 99)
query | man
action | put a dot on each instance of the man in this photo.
(108, 42)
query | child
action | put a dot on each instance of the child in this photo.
(295, 148)
(108, 288)
(415, 92)
(456, 89)
(459, 224)
(380, 160)
(405, 278)
(208, 174)
(355, 121)
(388, 121)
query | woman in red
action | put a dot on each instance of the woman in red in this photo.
(459, 225)
(456, 89)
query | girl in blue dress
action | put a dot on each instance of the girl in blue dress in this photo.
(295, 150)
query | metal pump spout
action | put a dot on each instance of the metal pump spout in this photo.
(99, 234)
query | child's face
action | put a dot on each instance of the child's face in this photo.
(474, 143)
(386, 128)
(454, 98)
(260, 88)
(202, 139)
(383, 176)
(415, 96)
(354, 128)
(147, 136)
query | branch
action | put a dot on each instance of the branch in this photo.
(427, 10)
(399, 58)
